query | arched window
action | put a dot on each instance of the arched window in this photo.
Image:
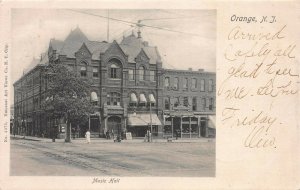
(114, 69)
(113, 99)
(83, 69)
(141, 73)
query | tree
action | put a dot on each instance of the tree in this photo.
(67, 96)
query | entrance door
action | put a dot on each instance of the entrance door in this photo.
(176, 126)
(114, 125)
(203, 127)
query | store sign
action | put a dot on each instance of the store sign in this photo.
(128, 136)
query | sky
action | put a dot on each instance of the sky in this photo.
(193, 46)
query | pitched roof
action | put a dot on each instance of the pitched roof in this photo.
(130, 45)
(56, 44)
(96, 48)
(76, 35)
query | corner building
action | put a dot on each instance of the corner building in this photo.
(131, 91)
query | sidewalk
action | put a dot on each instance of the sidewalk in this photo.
(103, 140)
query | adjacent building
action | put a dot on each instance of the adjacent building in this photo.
(131, 91)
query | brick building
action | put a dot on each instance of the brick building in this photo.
(130, 90)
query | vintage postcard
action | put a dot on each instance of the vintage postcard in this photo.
(149, 95)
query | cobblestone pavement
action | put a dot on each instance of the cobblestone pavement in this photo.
(35, 157)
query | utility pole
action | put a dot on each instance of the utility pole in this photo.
(107, 25)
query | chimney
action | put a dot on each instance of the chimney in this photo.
(190, 69)
(145, 43)
(200, 70)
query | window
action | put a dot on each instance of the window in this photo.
(211, 103)
(202, 85)
(152, 75)
(167, 82)
(204, 103)
(83, 71)
(167, 103)
(210, 85)
(186, 101)
(113, 71)
(176, 102)
(113, 99)
(176, 83)
(194, 83)
(185, 83)
(194, 103)
(131, 74)
(95, 72)
(141, 73)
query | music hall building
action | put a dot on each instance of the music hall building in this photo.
(131, 91)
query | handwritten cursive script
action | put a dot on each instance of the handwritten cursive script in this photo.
(260, 71)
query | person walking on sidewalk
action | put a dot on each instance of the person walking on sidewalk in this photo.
(88, 136)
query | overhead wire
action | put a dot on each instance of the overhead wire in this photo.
(135, 23)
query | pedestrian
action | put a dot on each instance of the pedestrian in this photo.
(112, 134)
(148, 136)
(107, 135)
(88, 136)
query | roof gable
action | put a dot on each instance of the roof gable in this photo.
(114, 48)
(83, 52)
(142, 57)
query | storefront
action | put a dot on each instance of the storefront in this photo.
(138, 124)
(185, 124)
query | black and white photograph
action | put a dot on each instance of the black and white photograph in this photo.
(113, 92)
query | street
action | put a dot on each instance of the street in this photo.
(42, 158)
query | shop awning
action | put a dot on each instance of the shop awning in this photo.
(142, 98)
(212, 121)
(142, 119)
(94, 97)
(151, 98)
(133, 98)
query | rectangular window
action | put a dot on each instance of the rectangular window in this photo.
(194, 83)
(202, 85)
(95, 72)
(152, 75)
(113, 99)
(141, 73)
(185, 83)
(204, 103)
(167, 103)
(83, 71)
(113, 73)
(176, 102)
(210, 85)
(211, 103)
(167, 82)
(186, 101)
(131, 74)
(176, 81)
(194, 104)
